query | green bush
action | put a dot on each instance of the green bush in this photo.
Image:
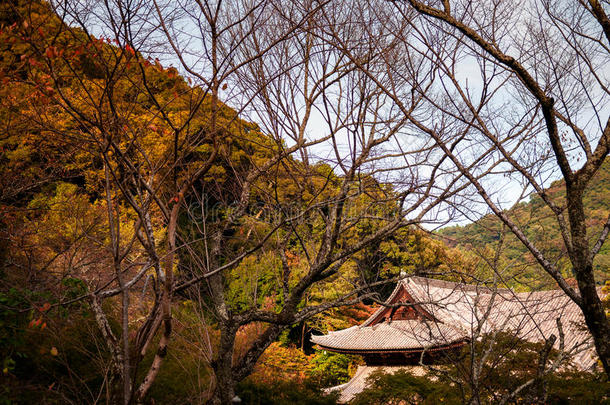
(404, 388)
(330, 369)
(283, 393)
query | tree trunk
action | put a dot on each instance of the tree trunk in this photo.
(225, 386)
(595, 316)
(224, 390)
(591, 304)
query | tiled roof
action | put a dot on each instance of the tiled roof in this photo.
(462, 311)
(388, 336)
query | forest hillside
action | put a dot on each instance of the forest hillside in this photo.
(174, 224)
(539, 225)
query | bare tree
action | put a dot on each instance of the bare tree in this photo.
(102, 98)
(521, 92)
(363, 121)
(333, 130)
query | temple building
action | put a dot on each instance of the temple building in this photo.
(425, 320)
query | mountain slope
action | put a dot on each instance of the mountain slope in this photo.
(541, 227)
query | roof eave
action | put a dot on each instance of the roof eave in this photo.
(450, 346)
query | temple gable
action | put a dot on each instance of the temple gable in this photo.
(400, 306)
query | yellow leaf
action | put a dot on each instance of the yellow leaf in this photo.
(54, 351)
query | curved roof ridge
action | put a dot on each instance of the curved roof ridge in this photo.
(379, 310)
(433, 282)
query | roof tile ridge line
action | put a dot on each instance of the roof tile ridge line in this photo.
(383, 307)
(432, 307)
(453, 285)
(462, 290)
(556, 293)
